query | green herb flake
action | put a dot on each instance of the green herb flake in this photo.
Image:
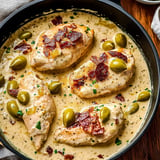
(81, 24)
(106, 18)
(38, 85)
(31, 138)
(101, 105)
(131, 46)
(91, 85)
(75, 13)
(115, 106)
(38, 52)
(65, 95)
(38, 125)
(112, 124)
(70, 94)
(65, 22)
(71, 17)
(118, 141)
(146, 89)
(94, 81)
(4, 92)
(8, 50)
(35, 152)
(20, 113)
(134, 101)
(94, 91)
(26, 110)
(63, 151)
(33, 42)
(127, 141)
(36, 47)
(34, 94)
(88, 29)
(140, 118)
(22, 76)
(55, 151)
(124, 106)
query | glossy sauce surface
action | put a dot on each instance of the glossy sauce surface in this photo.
(104, 28)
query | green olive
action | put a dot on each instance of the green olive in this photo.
(133, 108)
(23, 97)
(143, 96)
(2, 80)
(121, 40)
(25, 35)
(54, 87)
(18, 63)
(104, 114)
(12, 108)
(118, 65)
(108, 45)
(68, 117)
(12, 85)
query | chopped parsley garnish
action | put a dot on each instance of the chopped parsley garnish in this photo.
(65, 22)
(118, 141)
(38, 85)
(115, 106)
(55, 151)
(124, 106)
(38, 125)
(20, 113)
(4, 92)
(94, 81)
(131, 46)
(63, 151)
(146, 89)
(90, 85)
(26, 110)
(111, 124)
(8, 50)
(75, 13)
(31, 138)
(127, 141)
(36, 47)
(35, 152)
(96, 108)
(71, 17)
(22, 75)
(65, 95)
(134, 101)
(70, 94)
(106, 18)
(82, 25)
(101, 105)
(34, 94)
(94, 91)
(38, 52)
(88, 29)
(33, 42)
(140, 118)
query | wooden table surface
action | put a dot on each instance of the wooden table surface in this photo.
(148, 148)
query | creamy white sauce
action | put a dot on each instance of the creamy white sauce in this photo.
(17, 133)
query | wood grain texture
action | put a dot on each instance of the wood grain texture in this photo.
(148, 148)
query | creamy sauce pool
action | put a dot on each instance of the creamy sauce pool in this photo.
(17, 133)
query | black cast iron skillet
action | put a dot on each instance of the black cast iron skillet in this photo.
(116, 14)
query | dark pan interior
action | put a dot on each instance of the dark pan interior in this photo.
(105, 8)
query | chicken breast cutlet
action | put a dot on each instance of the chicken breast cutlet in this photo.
(61, 46)
(40, 111)
(107, 73)
(95, 124)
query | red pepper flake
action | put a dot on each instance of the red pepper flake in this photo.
(11, 78)
(57, 20)
(68, 157)
(118, 54)
(79, 82)
(13, 92)
(24, 47)
(100, 156)
(12, 122)
(120, 97)
(49, 150)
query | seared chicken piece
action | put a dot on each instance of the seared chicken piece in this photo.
(105, 74)
(40, 111)
(88, 128)
(61, 46)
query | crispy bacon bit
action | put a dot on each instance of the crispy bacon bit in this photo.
(49, 150)
(24, 47)
(12, 122)
(11, 78)
(13, 92)
(116, 121)
(101, 59)
(65, 44)
(57, 20)
(118, 54)
(79, 82)
(100, 156)
(91, 74)
(73, 26)
(61, 153)
(60, 35)
(120, 97)
(68, 157)
(74, 36)
(89, 123)
(101, 72)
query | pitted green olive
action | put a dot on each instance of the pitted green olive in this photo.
(143, 96)
(108, 45)
(2, 80)
(68, 117)
(25, 35)
(12, 108)
(118, 65)
(121, 40)
(104, 114)
(54, 87)
(18, 63)
(23, 97)
(133, 108)
(12, 85)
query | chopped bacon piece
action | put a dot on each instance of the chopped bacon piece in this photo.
(100, 156)
(74, 36)
(24, 47)
(60, 35)
(116, 121)
(73, 25)
(101, 59)
(49, 150)
(57, 20)
(118, 54)
(13, 92)
(89, 123)
(94, 59)
(11, 78)
(120, 97)
(101, 72)
(60, 152)
(65, 44)
(68, 157)
(79, 82)
(91, 74)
